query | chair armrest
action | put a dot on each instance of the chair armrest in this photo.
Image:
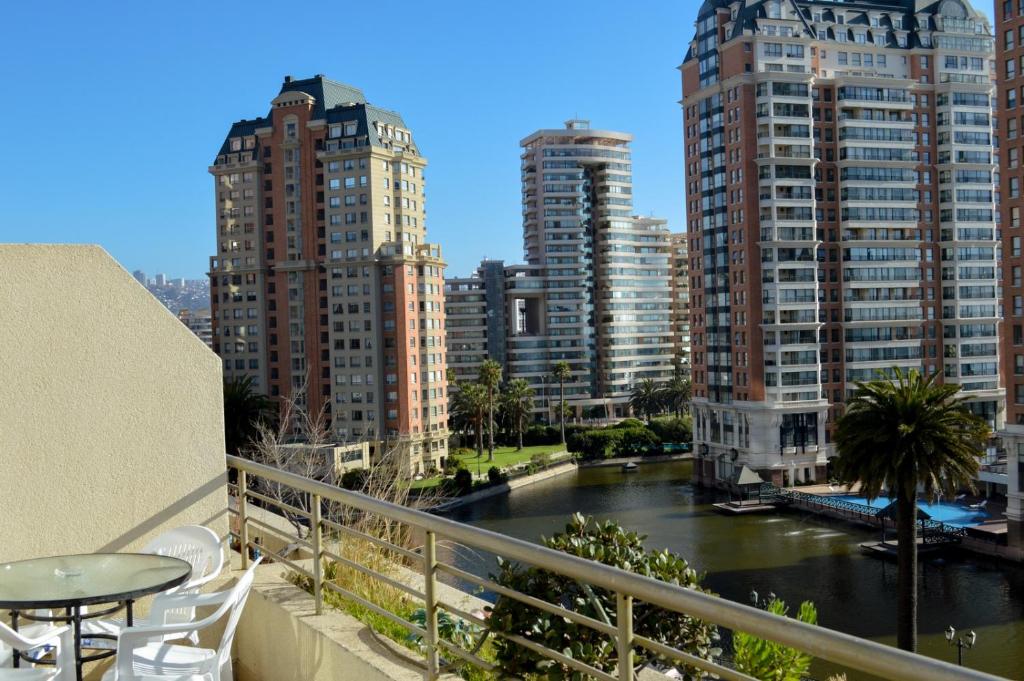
(202, 580)
(134, 637)
(164, 602)
(48, 637)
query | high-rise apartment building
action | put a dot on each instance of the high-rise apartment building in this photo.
(595, 291)
(198, 322)
(1009, 468)
(595, 288)
(680, 265)
(324, 288)
(839, 168)
(475, 320)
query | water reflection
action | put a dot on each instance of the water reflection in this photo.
(795, 556)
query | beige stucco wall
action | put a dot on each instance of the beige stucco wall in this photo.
(111, 418)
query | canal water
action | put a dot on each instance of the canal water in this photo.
(797, 557)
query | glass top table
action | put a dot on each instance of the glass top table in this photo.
(71, 582)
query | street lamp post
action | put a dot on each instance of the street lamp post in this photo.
(960, 643)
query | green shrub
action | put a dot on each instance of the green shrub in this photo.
(452, 465)
(637, 442)
(463, 482)
(541, 459)
(596, 443)
(628, 423)
(672, 428)
(538, 434)
(495, 476)
(612, 545)
(354, 479)
(769, 660)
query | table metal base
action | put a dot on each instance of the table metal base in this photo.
(73, 616)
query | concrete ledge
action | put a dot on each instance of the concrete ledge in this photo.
(661, 458)
(506, 487)
(281, 638)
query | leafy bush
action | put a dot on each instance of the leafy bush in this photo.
(610, 544)
(495, 476)
(637, 442)
(541, 459)
(672, 428)
(596, 444)
(538, 434)
(460, 485)
(354, 479)
(452, 465)
(628, 423)
(449, 628)
(769, 660)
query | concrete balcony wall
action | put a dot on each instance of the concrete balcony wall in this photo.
(111, 417)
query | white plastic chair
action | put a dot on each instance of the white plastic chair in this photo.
(196, 545)
(57, 637)
(141, 656)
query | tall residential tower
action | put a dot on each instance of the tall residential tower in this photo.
(595, 291)
(839, 169)
(1009, 469)
(324, 288)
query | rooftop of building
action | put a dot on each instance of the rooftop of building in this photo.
(916, 18)
(334, 102)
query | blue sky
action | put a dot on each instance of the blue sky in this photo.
(113, 111)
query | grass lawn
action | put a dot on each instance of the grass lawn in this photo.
(504, 457)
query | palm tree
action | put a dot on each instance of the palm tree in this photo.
(517, 403)
(562, 372)
(469, 403)
(646, 398)
(244, 410)
(490, 378)
(675, 395)
(901, 434)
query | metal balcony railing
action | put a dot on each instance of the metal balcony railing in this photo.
(842, 649)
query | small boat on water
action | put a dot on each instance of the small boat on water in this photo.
(629, 467)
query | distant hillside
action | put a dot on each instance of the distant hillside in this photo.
(195, 295)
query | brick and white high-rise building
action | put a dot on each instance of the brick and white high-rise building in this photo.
(1008, 469)
(324, 286)
(839, 188)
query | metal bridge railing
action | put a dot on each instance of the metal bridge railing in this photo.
(926, 525)
(839, 648)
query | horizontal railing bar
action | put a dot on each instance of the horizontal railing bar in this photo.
(376, 608)
(284, 561)
(467, 656)
(557, 656)
(278, 532)
(827, 644)
(411, 555)
(370, 572)
(691, 660)
(530, 600)
(468, 616)
(279, 504)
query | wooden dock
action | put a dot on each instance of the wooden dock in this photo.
(733, 508)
